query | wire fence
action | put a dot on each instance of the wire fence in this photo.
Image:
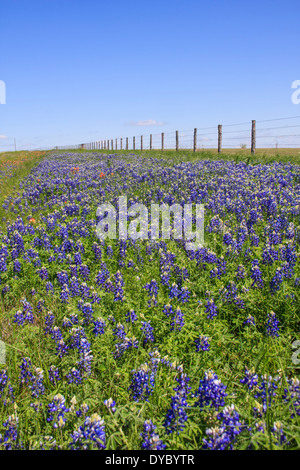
(273, 133)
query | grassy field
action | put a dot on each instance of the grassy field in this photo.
(143, 344)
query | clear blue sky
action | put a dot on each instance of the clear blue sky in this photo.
(80, 71)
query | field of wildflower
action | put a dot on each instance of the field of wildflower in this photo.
(143, 344)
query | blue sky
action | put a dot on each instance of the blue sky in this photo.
(80, 71)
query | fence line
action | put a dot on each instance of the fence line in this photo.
(218, 137)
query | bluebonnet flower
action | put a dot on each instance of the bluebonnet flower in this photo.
(110, 404)
(250, 378)
(184, 295)
(202, 343)
(5, 388)
(65, 294)
(276, 280)
(57, 411)
(272, 326)
(26, 371)
(74, 376)
(249, 320)
(125, 344)
(9, 440)
(174, 291)
(177, 415)
(87, 313)
(84, 290)
(49, 322)
(97, 251)
(77, 259)
(151, 440)
(109, 251)
(63, 278)
(91, 435)
(168, 310)
(99, 325)
(131, 316)
(211, 391)
(54, 376)
(152, 289)
(43, 273)
(17, 266)
(278, 434)
(84, 271)
(118, 289)
(256, 275)
(147, 332)
(102, 275)
(265, 391)
(36, 386)
(25, 315)
(177, 321)
(74, 287)
(211, 309)
(49, 287)
(119, 332)
(142, 383)
(224, 436)
(292, 395)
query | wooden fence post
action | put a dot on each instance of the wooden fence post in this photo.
(112, 144)
(162, 141)
(108, 145)
(219, 138)
(195, 140)
(253, 137)
(141, 142)
(133, 143)
(121, 143)
(177, 141)
(150, 141)
(116, 144)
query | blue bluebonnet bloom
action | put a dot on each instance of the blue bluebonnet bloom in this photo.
(272, 326)
(110, 404)
(177, 415)
(202, 343)
(211, 391)
(57, 411)
(211, 309)
(152, 289)
(224, 436)
(54, 376)
(292, 395)
(151, 440)
(278, 434)
(10, 438)
(99, 325)
(177, 321)
(256, 275)
(266, 392)
(276, 280)
(250, 378)
(131, 316)
(174, 291)
(142, 382)
(250, 320)
(147, 332)
(91, 435)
